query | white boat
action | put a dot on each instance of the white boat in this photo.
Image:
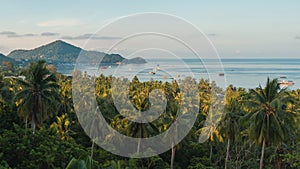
(285, 82)
(153, 72)
(157, 67)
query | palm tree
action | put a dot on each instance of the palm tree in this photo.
(87, 111)
(212, 108)
(230, 123)
(205, 94)
(210, 131)
(171, 115)
(294, 108)
(138, 101)
(66, 101)
(182, 104)
(94, 128)
(39, 96)
(140, 130)
(2, 87)
(7, 89)
(62, 126)
(267, 116)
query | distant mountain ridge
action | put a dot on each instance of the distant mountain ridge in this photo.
(62, 52)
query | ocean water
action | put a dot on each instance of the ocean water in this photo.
(240, 72)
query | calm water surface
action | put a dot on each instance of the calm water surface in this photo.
(247, 73)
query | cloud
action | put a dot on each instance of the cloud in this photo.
(21, 35)
(29, 35)
(8, 33)
(11, 34)
(297, 37)
(90, 36)
(211, 34)
(86, 36)
(49, 34)
(59, 23)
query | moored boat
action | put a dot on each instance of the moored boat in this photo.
(286, 82)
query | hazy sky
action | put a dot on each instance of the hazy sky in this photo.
(236, 28)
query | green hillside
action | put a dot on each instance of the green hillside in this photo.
(60, 52)
(4, 58)
(55, 51)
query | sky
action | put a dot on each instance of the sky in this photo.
(256, 29)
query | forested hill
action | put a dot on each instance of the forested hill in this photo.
(60, 51)
(4, 58)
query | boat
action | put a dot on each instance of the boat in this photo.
(221, 74)
(153, 72)
(104, 67)
(286, 82)
(157, 67)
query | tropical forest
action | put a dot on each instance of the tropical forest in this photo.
(40, 127)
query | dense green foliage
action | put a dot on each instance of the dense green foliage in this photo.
(264, 120)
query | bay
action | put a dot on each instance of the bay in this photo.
(240, 72)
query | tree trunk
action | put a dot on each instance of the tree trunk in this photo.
(227, 153)
(279, 160)
(279, 163)
(92, 151)
(237, 156)
(139, 145)
(210, 154)
(261, 163)
(26, 121)
(173, 155)
(33, 123)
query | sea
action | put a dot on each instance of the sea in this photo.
(240, 72)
